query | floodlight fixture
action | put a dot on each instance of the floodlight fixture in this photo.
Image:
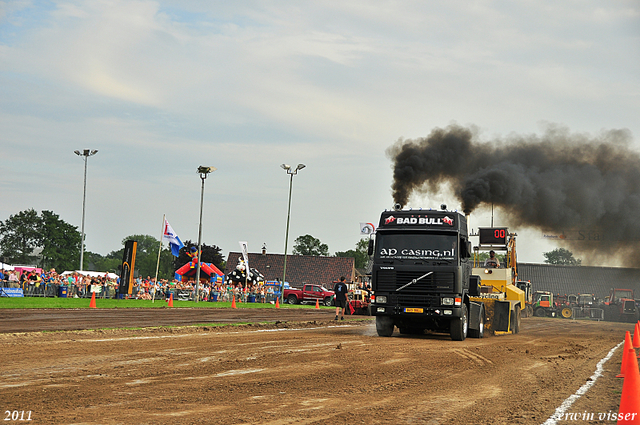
(292, 173)
(85, 154)
(203, 171)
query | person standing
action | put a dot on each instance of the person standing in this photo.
(340, 290)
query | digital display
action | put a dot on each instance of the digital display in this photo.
(493, 236)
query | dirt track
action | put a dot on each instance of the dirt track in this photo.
(306, 372)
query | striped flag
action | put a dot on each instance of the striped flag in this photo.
(174, 241)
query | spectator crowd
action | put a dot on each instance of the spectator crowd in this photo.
(49, 283)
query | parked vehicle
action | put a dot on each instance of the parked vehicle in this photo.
(620, 306)
(309, 294)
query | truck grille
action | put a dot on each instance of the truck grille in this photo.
(390, 280)
(629, 306)
(416, 300)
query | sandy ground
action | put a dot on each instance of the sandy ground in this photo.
(303, 370)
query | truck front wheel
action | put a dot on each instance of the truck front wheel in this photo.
(292, 299)
(327, 301)
(459, 326)
(384, 326)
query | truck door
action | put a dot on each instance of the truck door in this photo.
(310, 293)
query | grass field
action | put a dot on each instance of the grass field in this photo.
(34, 302)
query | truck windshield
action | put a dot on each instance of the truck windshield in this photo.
(416, 247)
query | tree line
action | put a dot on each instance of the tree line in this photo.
(47, 241)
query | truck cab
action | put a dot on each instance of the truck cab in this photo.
(421, 274)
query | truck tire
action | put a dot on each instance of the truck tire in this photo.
(384, 326)
(478, 333)
(566, 312)
(459, 326)
(539, 312)
(292, 299)
(327, 301)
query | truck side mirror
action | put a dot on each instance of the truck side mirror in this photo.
(370, 248)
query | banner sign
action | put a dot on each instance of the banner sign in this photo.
(245, 253)
(367, 228)
(11, 292)
(128, 266)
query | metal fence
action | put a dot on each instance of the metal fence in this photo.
(111, 291)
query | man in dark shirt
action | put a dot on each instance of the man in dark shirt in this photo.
(340, 290)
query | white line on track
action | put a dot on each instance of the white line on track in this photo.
(560, 411)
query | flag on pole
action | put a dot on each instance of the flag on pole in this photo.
(174, 241)
(245, 254)
(367, 228)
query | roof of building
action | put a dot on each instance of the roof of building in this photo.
(579, 279)
(301, 269)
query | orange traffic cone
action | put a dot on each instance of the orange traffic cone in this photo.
(317, 305)
(92, 304)
(630, 400)
(171, 300)
(627, 346)
(233, 302)
(277, 302)
(636, 337)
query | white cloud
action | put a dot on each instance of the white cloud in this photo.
(160, 87)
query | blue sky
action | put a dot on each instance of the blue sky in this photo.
(161, 87)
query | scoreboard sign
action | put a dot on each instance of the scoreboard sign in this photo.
(493, 236)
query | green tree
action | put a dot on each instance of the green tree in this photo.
(359, 254)
(96, 262)
(308, 245)
(146, 257)
(19, 236)
(483, 256)
(60, 242)
(561, 256)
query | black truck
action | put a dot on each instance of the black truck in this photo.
(422, 275)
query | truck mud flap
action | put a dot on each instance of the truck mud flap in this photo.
(501, 311)
(475, 309)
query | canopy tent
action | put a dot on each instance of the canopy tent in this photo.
(206, 269)
(91, 274)
(4, 266)
(21, 269)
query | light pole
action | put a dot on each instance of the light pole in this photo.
(203, 171)
(292, 173)
(85, 154)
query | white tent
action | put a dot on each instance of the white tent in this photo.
(6, 266)
(92, 274)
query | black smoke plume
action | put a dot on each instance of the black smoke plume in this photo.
(586, 186)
